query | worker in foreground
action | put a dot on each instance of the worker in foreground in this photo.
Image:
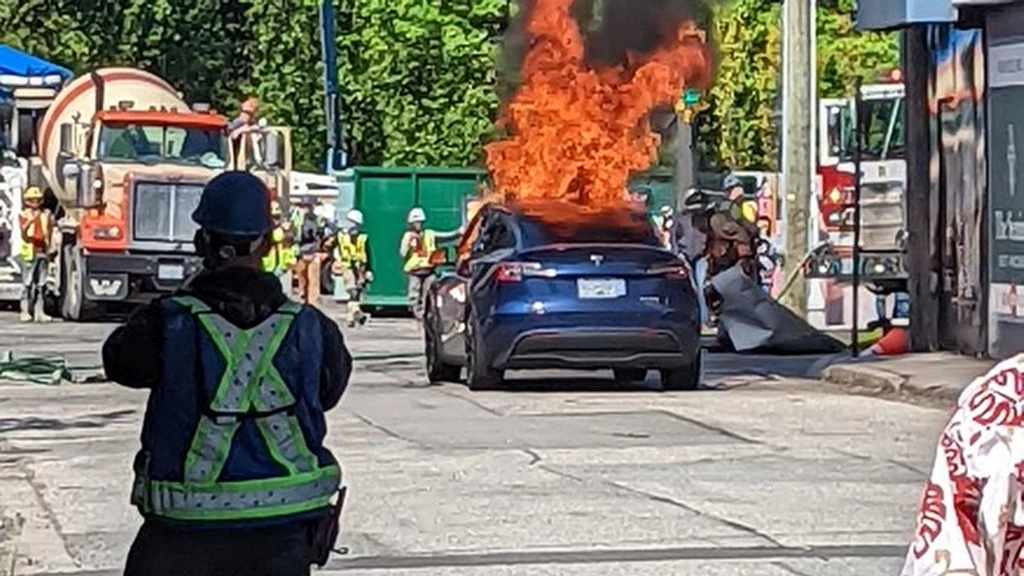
(36, 240)
(419, 252)
(280, 256)
(353, 261)
(971, 518)
(233, 476)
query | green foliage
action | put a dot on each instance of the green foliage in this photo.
(417, 78)
(741, 128)
(420, 80)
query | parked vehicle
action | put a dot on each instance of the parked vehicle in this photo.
(526, 294)
(125, 160)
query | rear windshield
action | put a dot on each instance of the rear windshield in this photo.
(621, 227)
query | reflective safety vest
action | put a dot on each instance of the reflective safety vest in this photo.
(351, 252)
(35, 233)
(242, 406)
(420, 258)
(280, 257)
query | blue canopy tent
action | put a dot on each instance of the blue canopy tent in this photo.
(19, 69)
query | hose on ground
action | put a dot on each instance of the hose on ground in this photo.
(48, 370)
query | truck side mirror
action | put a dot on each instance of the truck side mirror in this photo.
(71, 174)
(66, 135)
(273, 144)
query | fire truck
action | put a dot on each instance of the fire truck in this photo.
(882, 192)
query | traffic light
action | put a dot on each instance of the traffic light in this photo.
(691, 97)
(690, 104)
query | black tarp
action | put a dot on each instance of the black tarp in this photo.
(754, 322)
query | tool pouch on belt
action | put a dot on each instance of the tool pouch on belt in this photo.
(326, 530)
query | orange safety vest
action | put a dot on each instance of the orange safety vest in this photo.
(35, 233)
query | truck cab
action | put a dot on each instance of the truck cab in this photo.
(129, 181)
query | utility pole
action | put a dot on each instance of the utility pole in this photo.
(683, 149)
(797, 175)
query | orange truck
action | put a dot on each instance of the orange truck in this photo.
(126, 160)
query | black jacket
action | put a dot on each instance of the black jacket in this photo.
(132, 354)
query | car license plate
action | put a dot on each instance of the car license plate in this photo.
(170, 272)
(600, 288)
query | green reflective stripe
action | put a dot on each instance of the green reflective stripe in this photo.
(245, 499)
(209, 450)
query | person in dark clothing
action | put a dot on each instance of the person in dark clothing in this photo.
(233, 477)
(310, 238)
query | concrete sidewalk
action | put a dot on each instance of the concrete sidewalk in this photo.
(939, 375)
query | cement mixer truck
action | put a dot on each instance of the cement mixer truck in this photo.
(124, 160)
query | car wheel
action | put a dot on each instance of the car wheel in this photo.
(479, 375)
(680, 379)
(629, 375)
(437, 370)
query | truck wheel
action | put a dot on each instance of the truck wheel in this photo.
(73, 304)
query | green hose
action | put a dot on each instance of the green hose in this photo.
(49, 370)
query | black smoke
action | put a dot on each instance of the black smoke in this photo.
(615, 28)
(612, 30)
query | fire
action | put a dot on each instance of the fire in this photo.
(577, 134)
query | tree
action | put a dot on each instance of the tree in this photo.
(741, 128)
(419, 79)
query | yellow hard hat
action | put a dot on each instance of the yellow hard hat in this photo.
(33, 193)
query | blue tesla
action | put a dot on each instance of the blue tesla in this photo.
(529, 293)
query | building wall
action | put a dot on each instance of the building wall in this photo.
(1005, 54)
(957, 175)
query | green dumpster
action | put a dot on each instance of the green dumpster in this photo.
(385, 196)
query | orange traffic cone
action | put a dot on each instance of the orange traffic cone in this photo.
(894, 343)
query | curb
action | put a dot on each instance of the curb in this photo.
(881, 381)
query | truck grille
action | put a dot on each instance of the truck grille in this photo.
(163, 211)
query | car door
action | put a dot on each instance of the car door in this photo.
(495, 244)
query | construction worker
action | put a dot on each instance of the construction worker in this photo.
(233, 476)
(309, 234)
(664, 221)
(36, 229)
(246, 119)
(280, 258)
(417, 250)
(740, 208)
(353, 258)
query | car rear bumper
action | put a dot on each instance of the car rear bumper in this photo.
(599, 348)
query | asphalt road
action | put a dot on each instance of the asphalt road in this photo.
(760, 473)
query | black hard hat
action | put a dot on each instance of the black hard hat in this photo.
(235, 203)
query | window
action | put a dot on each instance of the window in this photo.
(883, 132)
(135, 142)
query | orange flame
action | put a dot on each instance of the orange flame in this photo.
(577, 134)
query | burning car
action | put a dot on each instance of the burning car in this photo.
(593, 291)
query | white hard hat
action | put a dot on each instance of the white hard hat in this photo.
(417, 215)
(355, 217)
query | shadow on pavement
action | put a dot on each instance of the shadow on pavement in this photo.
(90, 421)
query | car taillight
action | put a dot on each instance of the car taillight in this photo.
(507, 272)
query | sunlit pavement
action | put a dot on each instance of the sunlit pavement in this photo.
(759, 473)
